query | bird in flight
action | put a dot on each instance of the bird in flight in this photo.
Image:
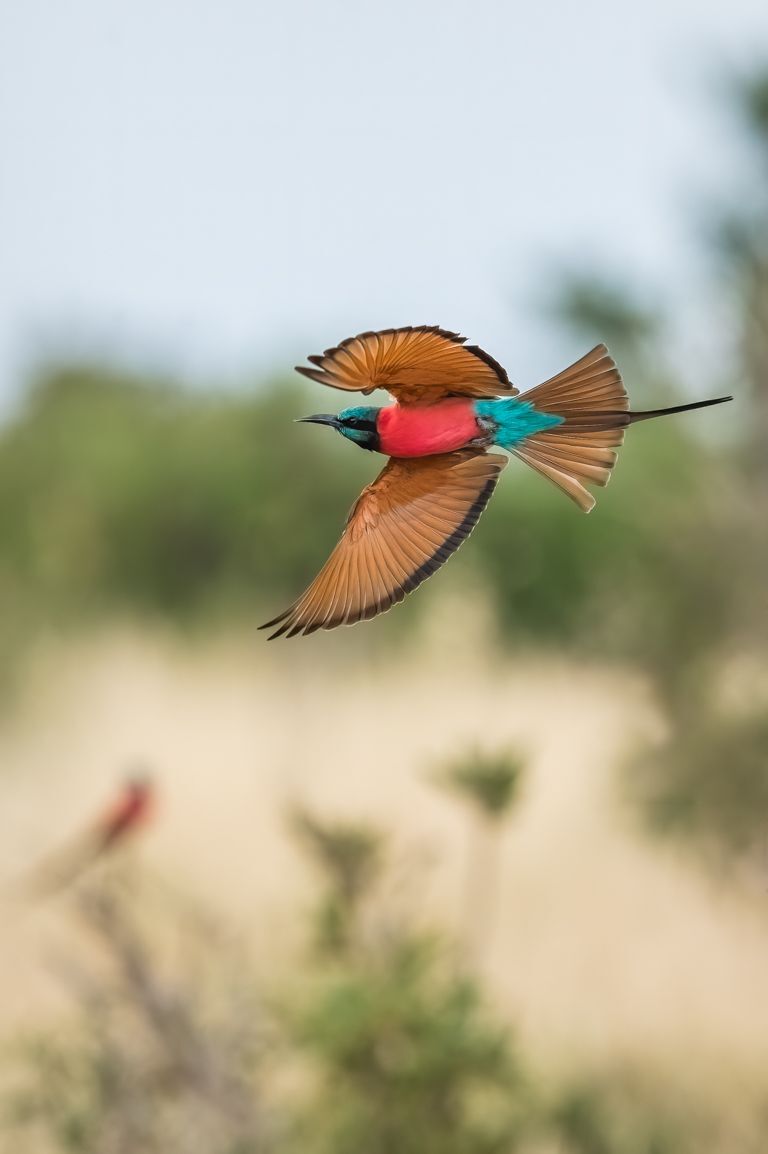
(452, 404)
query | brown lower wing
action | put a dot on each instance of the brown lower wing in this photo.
(417, 365)
(402, 528)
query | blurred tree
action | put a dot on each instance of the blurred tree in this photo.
(404, 1056)
(489, 783)
(741, 234)
(711, 781)
(408, 1062)
(119, 494)
(752, 102)
(694, 586)
(603, 1116)
(601, 309)
(349, 856)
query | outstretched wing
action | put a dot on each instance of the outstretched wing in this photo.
(401, 529)
(417, 365)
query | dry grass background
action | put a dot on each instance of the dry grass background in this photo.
(606, 947)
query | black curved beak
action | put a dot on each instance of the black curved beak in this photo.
(321, 419)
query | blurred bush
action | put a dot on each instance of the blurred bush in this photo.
(155, 1058)
(125, 494)
(615, 1115)
(710, 783)
(119, 494)
(489, 782)
(350, 857)
(409, 1060)
(375, 1041)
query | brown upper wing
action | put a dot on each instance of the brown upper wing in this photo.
(401, 529)
(417, 365)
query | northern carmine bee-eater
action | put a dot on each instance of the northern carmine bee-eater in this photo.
(124, 816)
(453, 402)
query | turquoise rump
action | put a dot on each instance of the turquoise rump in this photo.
(512, 420)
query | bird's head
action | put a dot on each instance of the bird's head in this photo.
(138, 783)
(357, 424)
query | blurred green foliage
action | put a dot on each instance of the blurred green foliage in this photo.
(119, 494)
(409, 1061)
(350, 856)
(710, 782)
(377, 1042)
(124, 495)
(403, 1050)
(488, 781)
(606, 1116)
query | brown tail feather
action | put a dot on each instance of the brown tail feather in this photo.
(591, 397)
(649, 414)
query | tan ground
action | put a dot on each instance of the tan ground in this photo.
(605, 945)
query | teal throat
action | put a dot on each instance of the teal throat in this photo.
(514, 420)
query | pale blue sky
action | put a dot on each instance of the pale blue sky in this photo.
(219, 186)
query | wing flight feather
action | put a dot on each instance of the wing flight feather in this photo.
(417, 365)
(401, 529)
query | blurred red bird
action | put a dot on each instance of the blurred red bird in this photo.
(123, 818)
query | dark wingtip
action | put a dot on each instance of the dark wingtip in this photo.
(274, 620)
(278, 632)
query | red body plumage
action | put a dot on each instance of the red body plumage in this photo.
(129, 812)
(421, 431)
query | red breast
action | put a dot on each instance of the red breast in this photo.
(133, 809)
(425, 430)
